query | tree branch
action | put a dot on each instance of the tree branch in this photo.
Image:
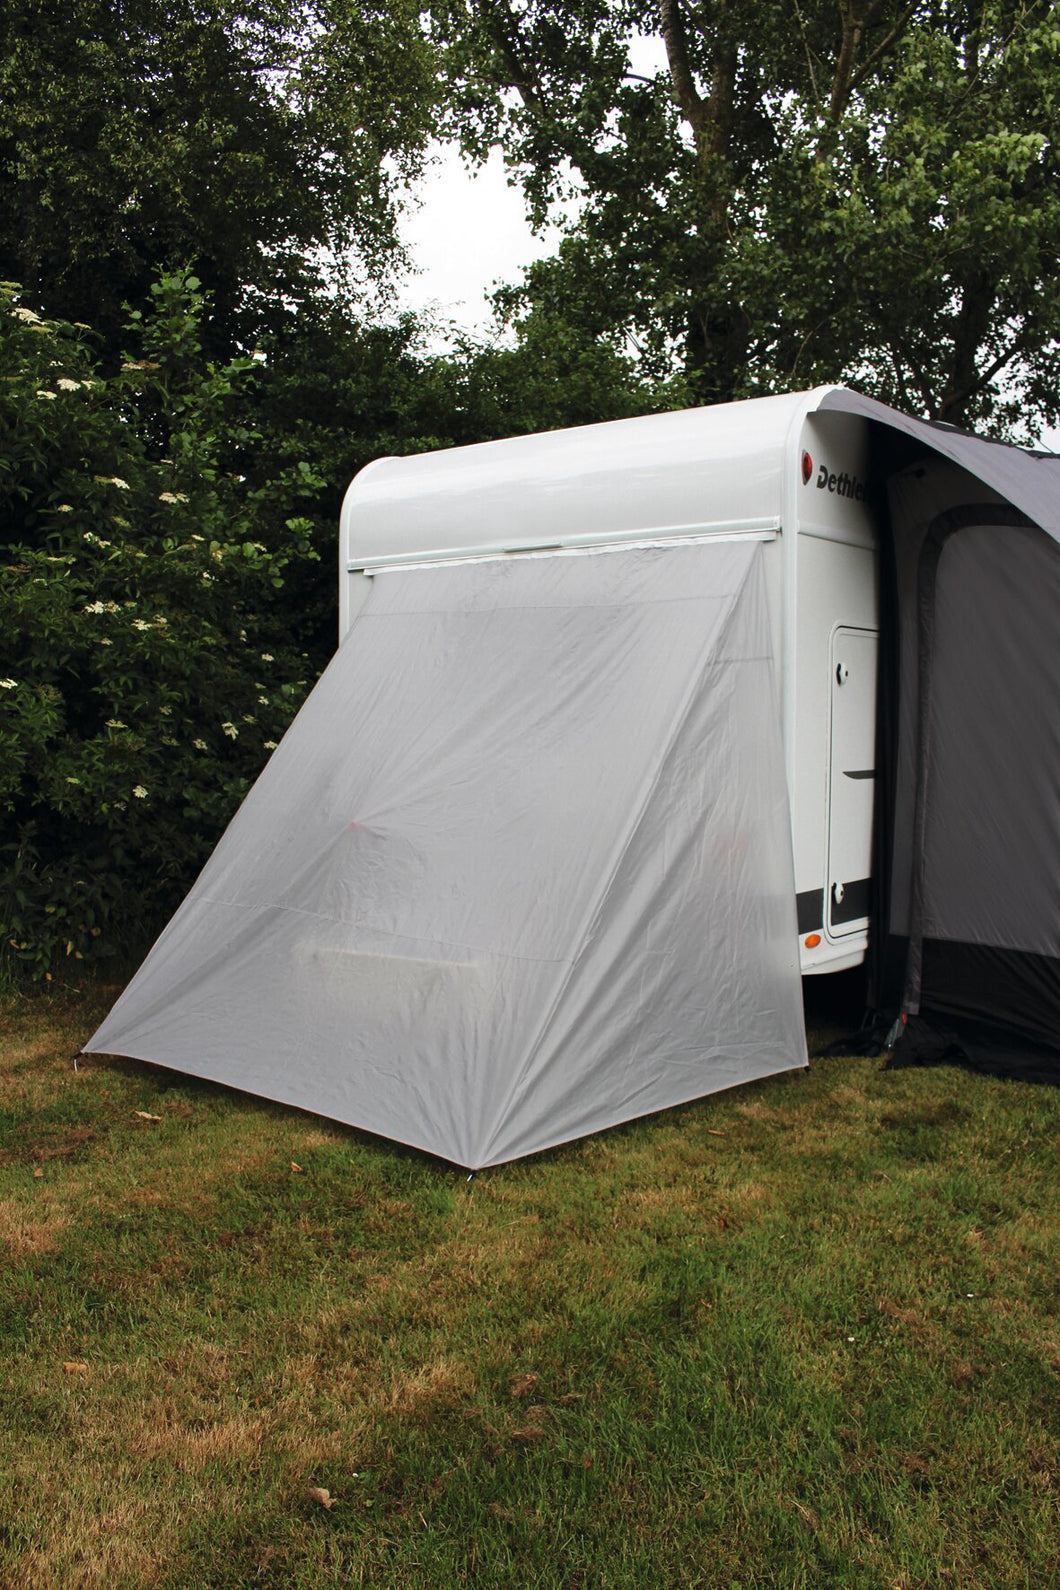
(689, 101)
(503, 29)
(884, 45)
(808, 53)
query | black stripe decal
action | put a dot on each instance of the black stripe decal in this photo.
(810, 908)
(867, 772)
(857, 897)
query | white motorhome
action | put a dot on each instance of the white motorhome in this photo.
(770, 469)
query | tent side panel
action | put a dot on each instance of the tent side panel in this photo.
(403, 892)
(688, 980)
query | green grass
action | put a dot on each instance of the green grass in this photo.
(800, 1334)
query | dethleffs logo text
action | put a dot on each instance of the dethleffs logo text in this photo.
(842, 485)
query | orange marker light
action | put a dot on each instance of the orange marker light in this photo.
(812, 940)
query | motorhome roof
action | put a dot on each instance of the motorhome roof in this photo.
(613, 482)
(635, 478)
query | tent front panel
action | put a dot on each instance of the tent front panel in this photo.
(975, 890)
(517, 795)
(992, 839)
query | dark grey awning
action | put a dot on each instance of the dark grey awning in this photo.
(1029, 481)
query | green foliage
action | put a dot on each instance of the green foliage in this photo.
(803, 193)
(144, 670)
(553, 376)
(247, 140)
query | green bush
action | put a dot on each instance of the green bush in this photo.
(145, 672)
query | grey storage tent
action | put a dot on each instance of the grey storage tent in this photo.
(967, 914)
(521, 868)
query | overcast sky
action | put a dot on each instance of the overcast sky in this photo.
(469, 236)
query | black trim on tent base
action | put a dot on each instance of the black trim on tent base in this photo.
(991, 1008)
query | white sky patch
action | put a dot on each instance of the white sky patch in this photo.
(469, 236)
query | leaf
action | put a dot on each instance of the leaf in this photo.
(530, 1435)
(299, 1168)
(317, 1493)
(522, 1385)
(73, 1367)
(144, 1115)
(37, 1172)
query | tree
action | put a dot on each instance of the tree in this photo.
(806, 191)
(265, 144)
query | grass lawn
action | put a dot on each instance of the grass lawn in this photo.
(799, 1334)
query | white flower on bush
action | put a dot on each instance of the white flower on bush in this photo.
(270, 745)
(66, 385)
(27, 315)
(116, 723)
(172, 496)
(206, 577)
(8, 684)
(231, 730)
(267, 656)
(166, 712)
(200, 745)
(139, 792)
(42, 392)
(64, 507)
(94, 607)
(111, 480)
(140, 623)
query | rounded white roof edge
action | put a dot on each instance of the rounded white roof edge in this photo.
(672, 472)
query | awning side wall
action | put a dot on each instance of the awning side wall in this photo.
(441, 863)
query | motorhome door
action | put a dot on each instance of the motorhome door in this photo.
(852, 774)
